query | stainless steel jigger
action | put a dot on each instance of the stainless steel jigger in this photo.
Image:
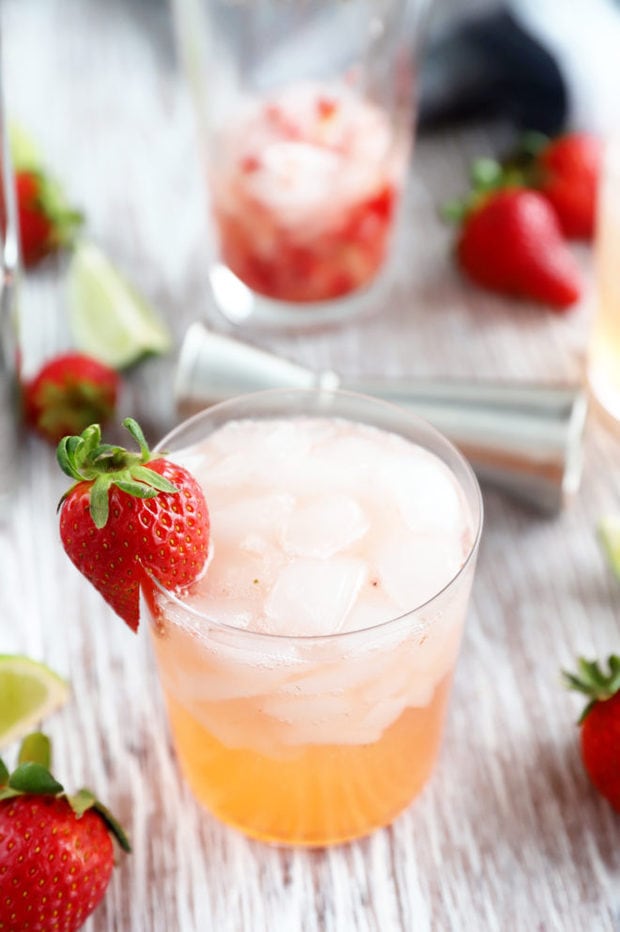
(526, 439)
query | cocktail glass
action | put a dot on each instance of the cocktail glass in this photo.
(305, 113)
(604, 354)
(313, 740)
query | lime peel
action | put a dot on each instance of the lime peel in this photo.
(609, 534)
(29, 692)
(109, 319)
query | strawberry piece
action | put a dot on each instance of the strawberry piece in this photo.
(68, 393)
(568, 169)
(600, 725)
(56, 851)
(35, 226)
(46, 222)
(130, 515)
(327, 107)
(510, 242)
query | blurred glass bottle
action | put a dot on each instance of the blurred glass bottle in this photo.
(604, 355)
(9, 333)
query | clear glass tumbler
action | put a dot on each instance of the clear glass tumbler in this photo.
(313, 740)
(305, 112)
(604, 353)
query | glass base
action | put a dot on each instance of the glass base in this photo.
(310, 796)
(242, 306)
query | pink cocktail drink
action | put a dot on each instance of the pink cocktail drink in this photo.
(307, 672)
(304, 185)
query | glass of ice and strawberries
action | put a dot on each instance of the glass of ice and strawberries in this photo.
(305, 113)
(307, 670)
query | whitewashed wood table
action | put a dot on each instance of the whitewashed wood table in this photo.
(509, 835)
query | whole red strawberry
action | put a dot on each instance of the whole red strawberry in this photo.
(568, 171)
(56, 852)
(46, 223)
(70, 392)
(600, 725)
(510, 242)
(129, 515)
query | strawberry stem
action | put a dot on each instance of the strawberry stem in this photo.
(136, 432)
(86, 459)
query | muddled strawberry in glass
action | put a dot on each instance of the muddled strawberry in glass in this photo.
(304, 189)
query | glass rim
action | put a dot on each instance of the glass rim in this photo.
(406, 415)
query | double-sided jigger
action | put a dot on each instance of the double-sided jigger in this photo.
(524, 438)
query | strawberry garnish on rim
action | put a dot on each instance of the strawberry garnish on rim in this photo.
(128, 516)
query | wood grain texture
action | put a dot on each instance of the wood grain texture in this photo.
(509, 835)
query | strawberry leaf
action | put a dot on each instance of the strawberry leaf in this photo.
(81, 801)
(4, 774)
(114, 826)
(486, 174)
(34, 778)
(153, 479)
(99, 501)
(137, 489)
(36, 749)
(84, 800)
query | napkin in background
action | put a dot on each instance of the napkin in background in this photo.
(547, 65)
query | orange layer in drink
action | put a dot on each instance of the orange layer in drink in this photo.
(317, 794)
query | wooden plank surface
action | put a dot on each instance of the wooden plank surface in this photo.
(509, 835)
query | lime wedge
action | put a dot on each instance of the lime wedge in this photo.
(29, 691)
(108, 318)
(609, 533)
(24, 151)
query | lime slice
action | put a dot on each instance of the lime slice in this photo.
(609, 532)
(109, 319)
(29, 691)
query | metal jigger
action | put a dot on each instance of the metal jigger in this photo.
(524, 438)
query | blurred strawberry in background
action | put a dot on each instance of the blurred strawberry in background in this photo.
(46, 224)
(510, 240)
(566, 171)
(47, 221)
(68, 393)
